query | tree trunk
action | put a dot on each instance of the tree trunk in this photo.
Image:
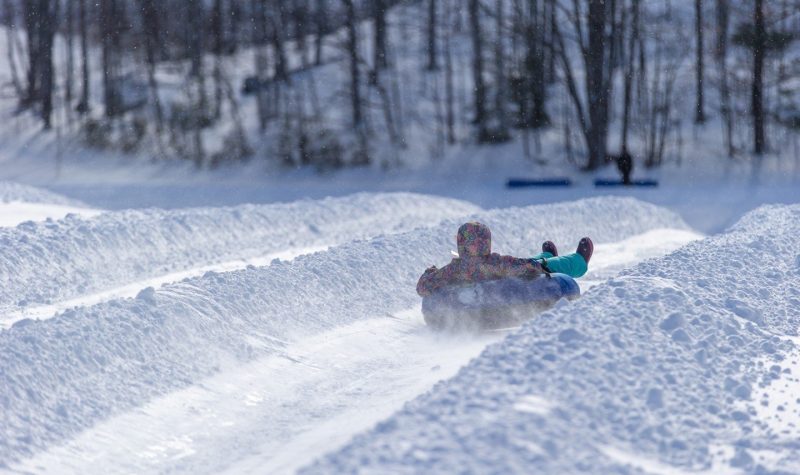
(352, 52)
(68, 86)
(630, 61)
(151, 29)
(196, 49)
(33, 17)
(49, 11)
(448, 81)
(477, 70)
(110, 34)
(278, 19)
(217, 33)
(596, 85)
(501, 134)
(699, 108)
(432, 53)
(321, 21)
(721, 54)
(83, 104)
(757, 106)
(381, 61)
(535, 116)
(260, 41)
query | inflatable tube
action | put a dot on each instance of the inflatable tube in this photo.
(497, 303)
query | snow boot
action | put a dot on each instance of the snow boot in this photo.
(585, 249)
(548, 246)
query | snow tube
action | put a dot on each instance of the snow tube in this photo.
(495, 304)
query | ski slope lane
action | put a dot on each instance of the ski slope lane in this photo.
(679, 365)
(66, 374)
(46, 263)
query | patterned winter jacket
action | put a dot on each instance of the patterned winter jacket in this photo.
(475, 263)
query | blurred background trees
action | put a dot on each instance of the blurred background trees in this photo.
(333, 83)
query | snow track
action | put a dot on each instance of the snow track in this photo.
(680, 364)
(45, 263)
(66, 374)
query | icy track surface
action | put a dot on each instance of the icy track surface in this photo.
(43, 263)
(281, 350)
(682, 364)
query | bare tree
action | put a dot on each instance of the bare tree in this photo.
(151, 30)
(110, 31)
(431, 32)
(721, 55)
(321, 24)
(481, 119)
(83, 104)
(629, 70)
(70, 70)
(47, 24)
(699, 108)
(757, 91)
(501, 134)
(361, 157)
(381, 61)
(593, 117)
(32, 14)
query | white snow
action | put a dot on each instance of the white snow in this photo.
(43, 263)
(20, 203)
(133, 288)
(91, 368)
(16, 212)
(657, 370)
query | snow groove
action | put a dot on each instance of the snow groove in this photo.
(56, 260)
(663, 366)
(64, 374)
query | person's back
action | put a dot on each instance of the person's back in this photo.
(476, 263)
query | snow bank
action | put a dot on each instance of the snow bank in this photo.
(45, 262)
(658, 370)
(20, 203)
(15, 192)
(64, 374)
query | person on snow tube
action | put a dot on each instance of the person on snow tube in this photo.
(477, 263)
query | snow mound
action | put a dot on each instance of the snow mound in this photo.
(15, 192)
(64, 374)
(659, 370)
(57, 260)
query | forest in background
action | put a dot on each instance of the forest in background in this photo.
(340, 83)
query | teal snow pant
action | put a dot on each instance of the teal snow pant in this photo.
(573, 264)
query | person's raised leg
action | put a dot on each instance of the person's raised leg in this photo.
(575, 264)
(549, 250)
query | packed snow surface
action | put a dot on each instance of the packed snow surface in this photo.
(42, 263)
(64, 375)
(20, 203)
(685, 363)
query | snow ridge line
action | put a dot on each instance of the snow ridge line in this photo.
(57, 260)
(64, 374)
(665, 363)
(10, 191)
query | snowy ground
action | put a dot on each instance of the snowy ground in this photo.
(682, 364)
(274, 365)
